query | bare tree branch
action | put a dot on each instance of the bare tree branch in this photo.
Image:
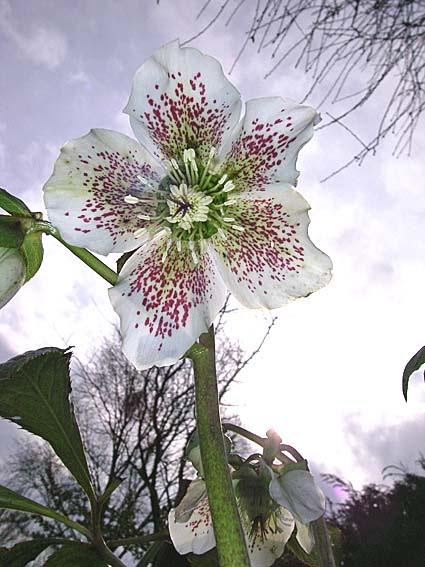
(354, 50)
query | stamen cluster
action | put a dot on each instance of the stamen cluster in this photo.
(191, 204)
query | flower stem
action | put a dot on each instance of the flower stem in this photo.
(255, 439)
(87, 257)
(97, 536)
(158, 536)
(228, 532)
(90, 259)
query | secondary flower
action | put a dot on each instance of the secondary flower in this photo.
(12, 273)
(205, 199)
(267, 524)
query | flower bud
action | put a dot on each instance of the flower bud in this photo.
(12, 273)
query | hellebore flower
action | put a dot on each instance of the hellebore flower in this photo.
(205, 198)
(267, 524)
(12, 273)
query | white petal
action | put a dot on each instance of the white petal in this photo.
(12, 274)
(266, 143)
(275, 260)
(86, 195)
(193, 498)
(165, 303)
(305, 536)
(264, 553)
(195, 535)
(180, 99)
(297, 491)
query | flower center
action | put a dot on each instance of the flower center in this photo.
(191, 203)
(187, 206)
(258, 510)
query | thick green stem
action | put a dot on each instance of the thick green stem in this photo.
(91, 260)
(228, 532)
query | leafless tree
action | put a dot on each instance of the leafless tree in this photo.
(352, 49)
(135, 426)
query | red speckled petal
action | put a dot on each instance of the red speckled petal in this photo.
(264, 552)
(190, 523)
(265, 145)
(274, 261)
(85, 194)
(165, 306)
(181, 99)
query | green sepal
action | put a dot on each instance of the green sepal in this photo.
(13, 205)
(22, 553)
(12, 232)
(32, 251)
(76, 555)
(34, 394)
(11, 500)
(414, 364)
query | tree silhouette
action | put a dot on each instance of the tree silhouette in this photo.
(384, 526)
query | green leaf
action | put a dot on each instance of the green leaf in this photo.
(11, 500)
(13, 205)
(32, 249)
(414, 364)
(34, 393)
(76, 555)
(11, 232)
(22, 553)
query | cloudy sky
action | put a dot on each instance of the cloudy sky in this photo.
(329, 378)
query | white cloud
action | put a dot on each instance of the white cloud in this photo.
(43, 45)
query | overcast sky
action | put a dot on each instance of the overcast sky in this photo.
(329, 378)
